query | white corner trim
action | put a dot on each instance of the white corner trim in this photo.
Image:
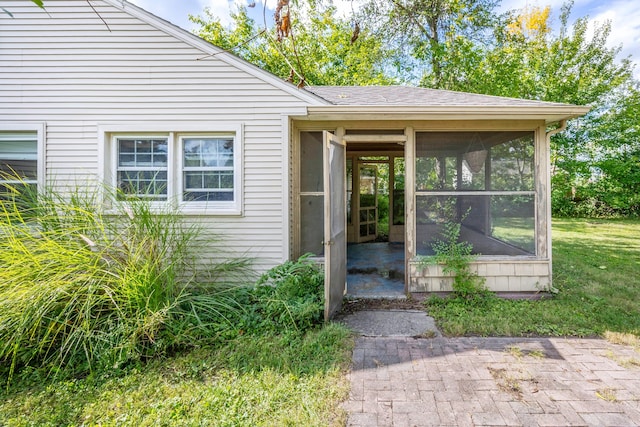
(286, 186)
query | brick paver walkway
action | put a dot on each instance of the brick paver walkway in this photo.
(402, 381)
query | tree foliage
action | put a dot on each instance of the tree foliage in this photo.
(319, 50)
(432, 37)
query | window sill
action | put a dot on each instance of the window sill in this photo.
(163, 209)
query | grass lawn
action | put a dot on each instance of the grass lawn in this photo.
(251, 381)
(596, 269)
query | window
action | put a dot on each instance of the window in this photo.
(18, 161)
(207, 168)
(199, 170)
(142, 167)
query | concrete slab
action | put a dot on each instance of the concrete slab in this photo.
(390, 323)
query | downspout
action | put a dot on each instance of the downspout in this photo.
(549, 134)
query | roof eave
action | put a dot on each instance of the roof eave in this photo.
(548, 113)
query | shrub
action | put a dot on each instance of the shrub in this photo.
(291, 295)
(81, 290)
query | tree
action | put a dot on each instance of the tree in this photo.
(528, 61)
(607, 167)
(318, 51)
(432, 37)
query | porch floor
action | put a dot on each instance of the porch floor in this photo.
(375, 270)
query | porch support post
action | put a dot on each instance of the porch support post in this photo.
(409, 204)
(543, 184)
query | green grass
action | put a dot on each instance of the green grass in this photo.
(254, 380)
(516, 231)
(596, 269)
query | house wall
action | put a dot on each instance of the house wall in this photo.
(64, 69)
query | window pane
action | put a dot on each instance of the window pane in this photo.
(225, 147)
(159, 159)
(191, 160)
(23, 169)
(226, 160)
(209, 160)
(143, 160)
(193, 180)
(127, 146)
(143, 146)
(226, 180)
(208, 196)
(143, 184)
(493, 225)
(19, 155)
(127, 159)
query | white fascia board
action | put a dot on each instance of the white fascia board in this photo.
(210, 50)
(550, 114)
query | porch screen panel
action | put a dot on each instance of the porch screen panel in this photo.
(482, 180)
(311, 227)
(311, 194)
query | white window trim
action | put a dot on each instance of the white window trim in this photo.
(39, 128)
(107, 155)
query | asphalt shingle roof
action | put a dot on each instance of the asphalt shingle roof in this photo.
(414, 96)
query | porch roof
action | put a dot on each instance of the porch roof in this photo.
(418, 103)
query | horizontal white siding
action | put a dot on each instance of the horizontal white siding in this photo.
(64, 68)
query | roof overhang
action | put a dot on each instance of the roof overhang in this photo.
(548, 113)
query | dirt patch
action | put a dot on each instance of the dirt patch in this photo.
(514, 381)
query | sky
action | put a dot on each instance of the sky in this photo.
(623, 14)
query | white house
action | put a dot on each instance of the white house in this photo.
(152, 109)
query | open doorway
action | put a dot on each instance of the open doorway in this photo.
(375, 221)
(371, 191)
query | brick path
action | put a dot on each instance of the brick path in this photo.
(402, 381)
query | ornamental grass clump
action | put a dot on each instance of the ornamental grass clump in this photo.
(82, 290)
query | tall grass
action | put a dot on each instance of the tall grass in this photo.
(81, 289)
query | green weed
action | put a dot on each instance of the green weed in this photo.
(456, 256)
